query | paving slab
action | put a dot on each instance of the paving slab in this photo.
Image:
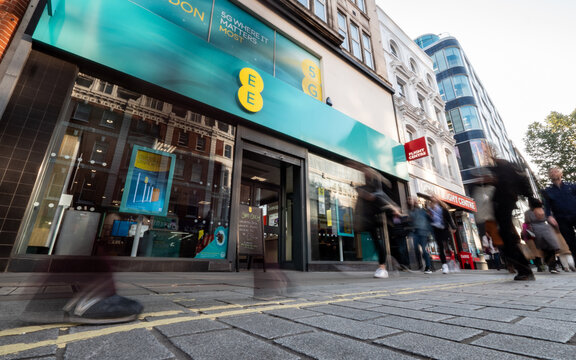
(229, 344)
(435, 348)
(352, 328)
(527, 346)
(520, 329)
(323, 346)
(132, 345)
(266, 326)
(355, 314)
(445, 331)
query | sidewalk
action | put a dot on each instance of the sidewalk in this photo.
(296, 315)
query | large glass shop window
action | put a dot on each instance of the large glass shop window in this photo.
(131, 175)
(332, 202)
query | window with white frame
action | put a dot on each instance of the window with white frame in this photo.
(400, 87)
(361, 4)
(394, 49)
(356, 40)
(422, 102)
(449, 166)
(368, 59)
(410, 134)
(343, 30)
(413, 66)
(432, 154)
(318, 7)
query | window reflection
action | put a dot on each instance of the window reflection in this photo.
(332, 202)
(77, 211)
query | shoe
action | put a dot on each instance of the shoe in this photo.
(445, 269)
(524, 277)
(381, 273)
(98, 310)
(427, 271)
(554, 271)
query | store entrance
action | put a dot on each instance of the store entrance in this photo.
(272, 182)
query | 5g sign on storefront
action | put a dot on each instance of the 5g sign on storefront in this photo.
(312, 82)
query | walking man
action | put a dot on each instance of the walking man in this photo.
(560, 206)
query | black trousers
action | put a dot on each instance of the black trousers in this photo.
(511, 239)
(442, 237)
(566, 226)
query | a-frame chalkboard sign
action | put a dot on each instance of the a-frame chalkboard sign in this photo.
(250, 235)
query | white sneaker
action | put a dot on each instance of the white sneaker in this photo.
(445, 269)
(381, 273)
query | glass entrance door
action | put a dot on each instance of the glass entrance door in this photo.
(268, 183)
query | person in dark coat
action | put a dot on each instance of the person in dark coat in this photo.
(371, 206)
(421, 231)
(560, 206)
(509, 183)
(443, 227)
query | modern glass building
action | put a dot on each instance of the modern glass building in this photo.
(470, 113)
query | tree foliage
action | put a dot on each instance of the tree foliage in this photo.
(553, 143)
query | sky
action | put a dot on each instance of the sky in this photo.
(523, 51)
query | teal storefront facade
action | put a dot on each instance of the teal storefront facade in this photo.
(208, 108)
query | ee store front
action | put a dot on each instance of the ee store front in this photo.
(150, 162)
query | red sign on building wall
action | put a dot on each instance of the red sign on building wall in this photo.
(416, 149)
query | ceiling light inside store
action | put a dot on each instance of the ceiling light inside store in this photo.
(258, 178)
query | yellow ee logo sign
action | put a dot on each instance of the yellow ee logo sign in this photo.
(249, 93)
(312, 82)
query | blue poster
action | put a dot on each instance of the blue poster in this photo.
(216, 245)
(148, 183)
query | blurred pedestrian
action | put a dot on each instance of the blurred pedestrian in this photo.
(509, 183)
(491, 250)
(93, 299)
(399, 227)
(421, 232)
(371, 205)
(560, 206)
(543, 234)
(443, 227)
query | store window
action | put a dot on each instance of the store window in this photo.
(179, 199)
(332, 202)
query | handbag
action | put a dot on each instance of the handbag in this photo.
(484, 208)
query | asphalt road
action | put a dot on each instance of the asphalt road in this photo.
(295, 315)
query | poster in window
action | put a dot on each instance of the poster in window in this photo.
(344, 219)
(148, 182)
